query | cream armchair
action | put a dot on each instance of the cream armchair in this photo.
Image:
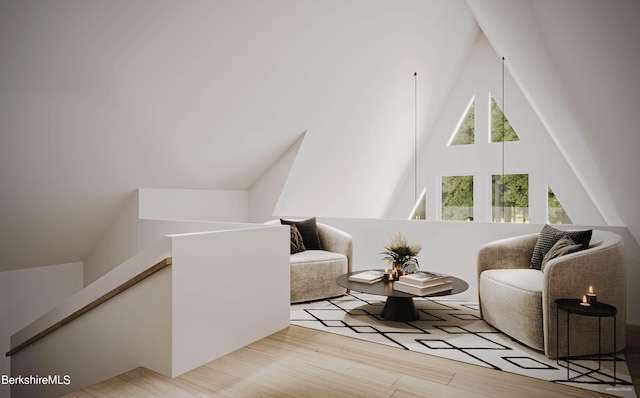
(314, 272)
(520, 301)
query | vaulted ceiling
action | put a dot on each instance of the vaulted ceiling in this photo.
(100, 98)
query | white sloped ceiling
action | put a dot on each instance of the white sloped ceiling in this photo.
(99, 98)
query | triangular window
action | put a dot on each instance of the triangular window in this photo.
(419, 211)
(555, 211)
(500, 126)
(465, 130)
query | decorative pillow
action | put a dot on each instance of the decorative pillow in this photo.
(297, 244)
(564, 246)
(549, 236)
(308, 230)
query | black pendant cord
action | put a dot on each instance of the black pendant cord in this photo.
(503, 141)
(415, 136)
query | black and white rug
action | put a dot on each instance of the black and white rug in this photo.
(454, 330)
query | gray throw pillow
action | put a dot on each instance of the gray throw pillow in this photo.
(564, 246)
(549, 236)
(297, 245)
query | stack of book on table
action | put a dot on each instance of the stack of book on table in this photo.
(367, 276)
(423, 283)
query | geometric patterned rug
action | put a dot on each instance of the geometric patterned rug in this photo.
(453, 329)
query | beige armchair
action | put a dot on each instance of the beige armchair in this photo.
(520, 301)
(314, 271)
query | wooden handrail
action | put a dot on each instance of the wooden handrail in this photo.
(138, 278)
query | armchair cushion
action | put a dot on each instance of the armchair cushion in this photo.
(549, 236)
(501, 288)
(314, 273)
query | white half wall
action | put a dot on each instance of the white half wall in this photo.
(452, 247)
(194, 205)
(122, 240)
(27, 294)
(153, 230)
(230, 289)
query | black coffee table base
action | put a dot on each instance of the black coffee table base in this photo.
(400, 309)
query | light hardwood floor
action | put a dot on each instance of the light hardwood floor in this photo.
(632, 354)
(299, 362)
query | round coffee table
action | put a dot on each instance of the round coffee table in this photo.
(399, 306)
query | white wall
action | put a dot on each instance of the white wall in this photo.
(452, 247)
(194, 205)
(535, 154)
(27, 294)
(266, 191)
(119, 243)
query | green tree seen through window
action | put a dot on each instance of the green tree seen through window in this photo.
(466, 132)
(497, 129)
(510, 194)
(457, 198)
(555, 212)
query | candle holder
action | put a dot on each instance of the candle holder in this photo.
(584, 302)
(395, 274)
(592, 299)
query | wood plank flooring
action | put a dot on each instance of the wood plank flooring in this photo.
(299, 362)
(632, 354)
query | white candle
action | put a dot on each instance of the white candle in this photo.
(584, 301)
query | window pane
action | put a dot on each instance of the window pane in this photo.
(420, 208)
(500, 124)
(555, 211)
(465, 135)
(510, 197)
(457, 198)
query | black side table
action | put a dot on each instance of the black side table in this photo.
(600, 310)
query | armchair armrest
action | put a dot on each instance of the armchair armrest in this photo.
(337, 241)
(602, 267)
(508, 253)
(569, 276)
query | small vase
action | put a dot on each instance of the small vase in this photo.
(397, 271)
